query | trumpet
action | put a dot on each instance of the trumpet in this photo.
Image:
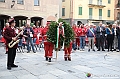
(13, 43)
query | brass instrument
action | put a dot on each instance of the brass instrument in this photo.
(12, 43)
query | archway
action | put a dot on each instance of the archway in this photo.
(36, 20)
(20, 20)
(3, 19)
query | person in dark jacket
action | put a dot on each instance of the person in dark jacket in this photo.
(118, 32)
(28, 31)
(109, 32)
(100, 36)
(10, 35)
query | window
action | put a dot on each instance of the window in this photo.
(20, 2)
(90, 11)
(36, 2)
(63, 0)
(63, 11)
(109, 1)
(100, 12)
(80, 10)
(99, 2)
(108, 13)
(90, 1)
(2, 0)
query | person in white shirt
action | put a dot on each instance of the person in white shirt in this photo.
(115, 41)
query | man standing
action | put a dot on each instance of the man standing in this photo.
(118, 32)
(48, 46)
(115, 41)
(100, 36)
(9, 35)
(29, 35)
(91, 37)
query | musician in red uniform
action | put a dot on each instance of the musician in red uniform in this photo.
(75, 29)
(9, 35)
(35, 33)
(82, 33)
(48, 46)
(67, 52)
(6, 26)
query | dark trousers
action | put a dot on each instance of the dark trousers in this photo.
(119, 42)
(109, 41)
(11, 56)
(100, 42)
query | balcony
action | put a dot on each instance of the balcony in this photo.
(98, 4)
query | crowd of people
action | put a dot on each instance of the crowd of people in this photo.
(102, 36)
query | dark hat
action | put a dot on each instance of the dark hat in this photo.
(11, 21)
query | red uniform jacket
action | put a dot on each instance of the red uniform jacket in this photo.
(40, 30)
(75, 29)
(35, 32)
(8, 34)
(44, 32)
(82, 31)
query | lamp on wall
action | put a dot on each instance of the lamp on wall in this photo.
(13, 3)
(56, 15)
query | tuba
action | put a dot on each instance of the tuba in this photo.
(13, 43)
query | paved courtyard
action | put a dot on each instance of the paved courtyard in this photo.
(101, 65)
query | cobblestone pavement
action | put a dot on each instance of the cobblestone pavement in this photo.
(101, 65)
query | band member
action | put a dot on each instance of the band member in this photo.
(35, 33)
(6, 26)
(28, 31)
(91, 37)
(78, 37)
(109, 32)
(75, 42)
(100, 36)
(75, 29)
(48, 46)
(82, 33)
(9, 35)
(67, 52)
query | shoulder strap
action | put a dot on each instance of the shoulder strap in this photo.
(92, 32)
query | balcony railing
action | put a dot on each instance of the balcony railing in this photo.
(96, 5)
(96, 17)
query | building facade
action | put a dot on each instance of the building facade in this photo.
(34, 11)
(84, 11)
(117, 11)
